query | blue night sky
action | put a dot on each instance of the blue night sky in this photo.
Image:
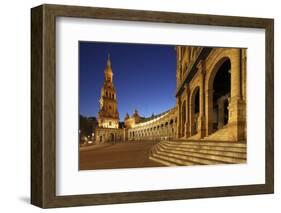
(144, 76)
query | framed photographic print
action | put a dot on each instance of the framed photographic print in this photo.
(137, 106)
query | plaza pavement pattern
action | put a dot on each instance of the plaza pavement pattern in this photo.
(118, 155)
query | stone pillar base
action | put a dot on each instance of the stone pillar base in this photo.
(201, 126)
(237, 118)
(178, 135)
(187, 131)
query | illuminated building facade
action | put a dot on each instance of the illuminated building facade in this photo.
(211, 93)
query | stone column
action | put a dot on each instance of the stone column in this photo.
(201, 117)
(179, 118)
(191, 117)
(220, 113)
(244, 87)
(237, 106)
(243, 73)
(187, 129)
(126, 134)
(235, 75)
(209, 111)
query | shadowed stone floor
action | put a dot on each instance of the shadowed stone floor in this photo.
(119, 155)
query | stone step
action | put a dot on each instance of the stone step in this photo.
(207, 151)
(224, 144)
(187, 158)
(161, 161)
(172, 153)
(188, 154)
(173, 160)
(221, 134)
(207, 147)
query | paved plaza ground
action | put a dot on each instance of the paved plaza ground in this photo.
(119, 155)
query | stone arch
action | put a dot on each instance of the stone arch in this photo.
(194, 109)
(171, 121)
(112, 137)
(214, 69)
(210, 78)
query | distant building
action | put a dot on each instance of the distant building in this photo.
(130, 122)
(108, 116)
(157, 127)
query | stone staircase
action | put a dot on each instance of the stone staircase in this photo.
(223, 134)
(186, 153)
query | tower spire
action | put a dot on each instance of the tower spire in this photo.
(108, 60)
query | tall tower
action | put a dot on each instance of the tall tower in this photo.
(108, 116)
